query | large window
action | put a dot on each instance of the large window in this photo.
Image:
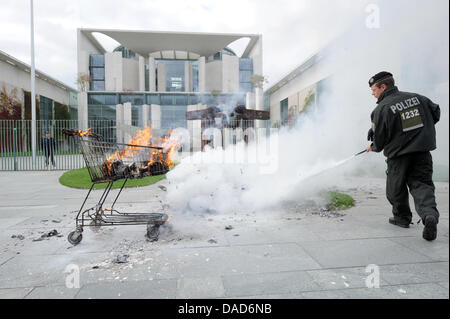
(284, 111)
(173, 116)
(147, 83)
(102, 106)
(97, 72)
(134, 99)
(195, 76)
(245, 74)
(45, 108)
(174, 75)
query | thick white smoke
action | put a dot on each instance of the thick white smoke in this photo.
(412, 43)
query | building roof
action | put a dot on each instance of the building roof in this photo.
(294, 73)
(147, 42)
(26, 68)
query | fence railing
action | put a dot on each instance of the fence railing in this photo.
(53, 151)
(58, 151)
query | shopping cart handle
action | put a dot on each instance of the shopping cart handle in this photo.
(146, 146)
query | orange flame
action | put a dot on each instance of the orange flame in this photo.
(85, 133)
(144, 138)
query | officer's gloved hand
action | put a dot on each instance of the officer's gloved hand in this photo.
(370, 135)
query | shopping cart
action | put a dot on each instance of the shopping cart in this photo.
(110, 162)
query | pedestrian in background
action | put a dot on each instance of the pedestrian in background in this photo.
(48, 145)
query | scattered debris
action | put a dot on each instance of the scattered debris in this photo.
(56, 221)
(52, 233)
(235, 235)
(212, 241)
(402, 291)
(229, 227)
(44, 220)
(164, 188)
(21, 237)
(121, 259)
(95, 267)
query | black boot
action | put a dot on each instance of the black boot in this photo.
(399, 222)
(430, 230)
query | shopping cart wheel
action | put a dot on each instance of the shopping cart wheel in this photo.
(152, 232)
(74, 237)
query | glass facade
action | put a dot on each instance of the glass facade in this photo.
(97, 72)
(266, 102)
(173, 106)
(73, 105)
(173, 116)
(245, 74)
(102, 106)
(175, 80)
(134, 99)
(45, 108)
(126, 53)
(195, 76)
(147, 72)
(284, 111)
(174, 75)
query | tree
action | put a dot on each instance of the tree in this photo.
(83, 81)
(258, 80)
(10, 106)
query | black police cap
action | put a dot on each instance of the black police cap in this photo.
(379, 77)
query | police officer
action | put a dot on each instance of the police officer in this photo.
(403, 127)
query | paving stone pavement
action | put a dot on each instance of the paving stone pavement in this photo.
(285, 253)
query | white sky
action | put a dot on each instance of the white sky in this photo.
(292, 30)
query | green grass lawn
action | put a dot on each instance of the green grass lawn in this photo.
(339, 201)
(79, 178)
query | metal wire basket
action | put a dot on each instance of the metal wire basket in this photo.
(107, 163)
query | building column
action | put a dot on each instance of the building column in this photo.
(202, 74)
(195, 128)
(82, 110)
(250, 100)
(141, 74)
(127, 121)
(156, 116)
(259, 105)
(119, 122)
(187, 76)
(161, 77)
(151, 74)
(113, 71)
(145, 115)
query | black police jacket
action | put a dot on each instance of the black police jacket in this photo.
(403, 123)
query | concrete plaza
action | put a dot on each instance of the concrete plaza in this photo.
(287, 253)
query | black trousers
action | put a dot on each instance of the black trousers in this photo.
(413, 171)
(47, 155)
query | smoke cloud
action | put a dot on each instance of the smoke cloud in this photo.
(316, 154)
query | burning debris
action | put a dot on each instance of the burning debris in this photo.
(88, 132)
